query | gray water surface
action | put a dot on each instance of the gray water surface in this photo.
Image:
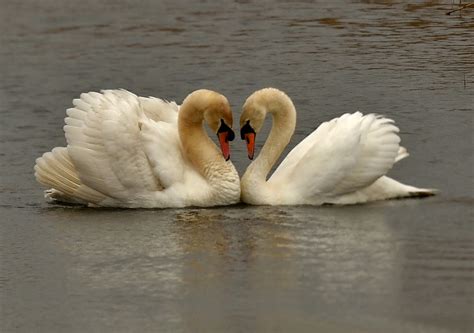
(395, 266)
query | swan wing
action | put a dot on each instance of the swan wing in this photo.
(341, 156)
(161, 141)
(162, 146)
(107, 134)
(159, 110)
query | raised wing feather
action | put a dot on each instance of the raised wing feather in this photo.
(162, 146)
(160, 110)
(341, 156)
(105, 141)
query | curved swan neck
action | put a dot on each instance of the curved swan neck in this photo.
(197, 145)
(283, 113)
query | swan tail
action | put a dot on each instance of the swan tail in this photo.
(388, 188)
(384, 188)
(55, 169)
(421, 192)
(402, 153)
(399, 190)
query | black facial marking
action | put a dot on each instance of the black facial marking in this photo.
(246, 129)
(225, 128)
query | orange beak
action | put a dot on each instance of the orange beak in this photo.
(225, 134)
(224, 142)
(250, 138)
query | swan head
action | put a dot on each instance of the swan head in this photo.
(255, 109)
(254, 112)
(216, 111)
(218, 117)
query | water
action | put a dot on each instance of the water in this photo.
(396, 266)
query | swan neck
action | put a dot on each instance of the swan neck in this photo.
(284, 121)
(198, 148)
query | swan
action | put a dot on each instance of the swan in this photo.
(129, 151)
(344, 161)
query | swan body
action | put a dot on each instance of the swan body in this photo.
(344, 161)
(129, 151)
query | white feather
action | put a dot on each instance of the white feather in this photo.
(124, 151)
(343, 161)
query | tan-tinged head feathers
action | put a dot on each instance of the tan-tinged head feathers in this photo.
(214, 109)
(261, 102)
(206, 105)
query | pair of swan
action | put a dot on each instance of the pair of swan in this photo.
(129, 151)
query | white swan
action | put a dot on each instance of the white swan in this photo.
(342, 162)
(129, 151)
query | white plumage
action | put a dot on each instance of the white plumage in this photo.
(125, 151)
(344, 161)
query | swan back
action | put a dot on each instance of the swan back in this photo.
(341, 156)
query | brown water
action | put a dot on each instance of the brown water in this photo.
(397, 266)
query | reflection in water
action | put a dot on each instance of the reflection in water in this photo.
(270, 252)
(127, 259)
(199, 268)
(266, 253)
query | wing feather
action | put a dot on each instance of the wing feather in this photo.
(105, 143)
(163, 148)
(341, 156)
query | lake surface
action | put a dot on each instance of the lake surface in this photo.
(395, 266)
